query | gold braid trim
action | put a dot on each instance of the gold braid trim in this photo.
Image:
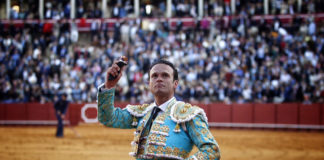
(183, 112)
(139, 110)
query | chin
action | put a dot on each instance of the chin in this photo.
(160, 93)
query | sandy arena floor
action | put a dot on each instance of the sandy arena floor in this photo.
(100, 143)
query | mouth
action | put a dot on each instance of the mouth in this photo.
(159, 85)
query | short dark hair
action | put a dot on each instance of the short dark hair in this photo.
(64, 95)
(162, 61)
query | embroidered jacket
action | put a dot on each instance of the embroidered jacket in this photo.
(173, 132)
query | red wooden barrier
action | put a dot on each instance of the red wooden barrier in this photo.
(16, 111)
(75, 113)
(242, 113)
(264, 113)
(310, 114)
(202, 106)
(220, 112)
(235, 115)
(37, 111)
(287, 113)
(205, 108)
(51, 112)
(2, 112)
(322, 113)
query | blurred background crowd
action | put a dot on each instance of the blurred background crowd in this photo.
(180, 8)
(237, 61)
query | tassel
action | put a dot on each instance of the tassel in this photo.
(134, 122)
(177, 128)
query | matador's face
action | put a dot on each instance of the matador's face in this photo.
(162, 82)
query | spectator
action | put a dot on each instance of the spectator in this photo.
(60, 106)
(251, 61)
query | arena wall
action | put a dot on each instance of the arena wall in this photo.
(287, 115)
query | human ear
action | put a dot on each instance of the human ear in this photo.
(175, 84)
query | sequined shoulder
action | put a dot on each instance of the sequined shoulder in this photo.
(139, 110)
(184, 112)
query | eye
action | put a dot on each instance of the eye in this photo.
(165, 75)
(154, 75)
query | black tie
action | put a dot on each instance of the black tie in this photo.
(148, 125)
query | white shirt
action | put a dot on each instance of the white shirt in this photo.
(164, 106)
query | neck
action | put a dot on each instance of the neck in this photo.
(162, 99)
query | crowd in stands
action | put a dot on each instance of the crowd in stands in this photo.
(235, 62)
(180, 8)
(57, 10)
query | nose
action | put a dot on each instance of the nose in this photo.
(159, 79)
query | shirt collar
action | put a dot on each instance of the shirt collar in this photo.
(164, 106)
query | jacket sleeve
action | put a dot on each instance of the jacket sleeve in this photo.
(110, 116)
(203, 139)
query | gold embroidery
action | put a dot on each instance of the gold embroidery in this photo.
(134, 121)
(176, 151)
(217, 155)
(183, 154)
(155, 127)
(165, 129)
(168, 150)
(140, 128)
(143, 107)
(152, 137)
(212, 156)
(138, 109)
(198, 123)
(150, 149)
(183, 110)
(200, 156)
(197, 134)
(159, 150)
(215, 148)
(210, 136)
(205, 138)
(204, 131)
(161, 117)
(177, 128)
(158, 136)
(161, 138)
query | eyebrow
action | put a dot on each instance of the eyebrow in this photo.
(163, 72)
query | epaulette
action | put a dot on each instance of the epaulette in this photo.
(184, 112)
(139, 110)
